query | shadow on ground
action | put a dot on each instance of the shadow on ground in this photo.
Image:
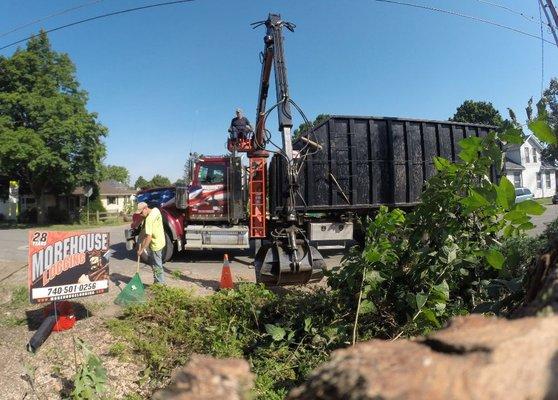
(36, 317)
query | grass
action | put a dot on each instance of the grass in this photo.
(283, 336)
(545, 201)
(176, 274)
(10, 313)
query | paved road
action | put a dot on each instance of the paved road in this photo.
(540, 221)
(198, 269)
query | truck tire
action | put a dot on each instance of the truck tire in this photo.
(168, 250)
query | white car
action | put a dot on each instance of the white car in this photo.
(522, 194)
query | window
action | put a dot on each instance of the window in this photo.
(517, 179)
(527, 160)
(539, 181)
(519, 192)
(534, 155)
(526, 191)
(112, 200)
(548, 180)
(212, 174)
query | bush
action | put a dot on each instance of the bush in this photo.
(94, 206)
(57, 216)
(28, 216)
(284, 337)
(444, 258)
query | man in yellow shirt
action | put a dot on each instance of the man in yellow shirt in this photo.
(154, 239)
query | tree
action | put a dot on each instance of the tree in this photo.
(48, 139)
(141, 183)
(160, 181)
(180, 182)
(115, 172)
(305, 126)
(478, 112)
(550, 98)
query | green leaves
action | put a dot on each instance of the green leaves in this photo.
(91, 378)
(542, 131)
(276, 332)
(495, 258)
(367, 307)
(505, 193)
(470, 148)
(48, 138)
(420, 299)
(531, 207)
(512, 135)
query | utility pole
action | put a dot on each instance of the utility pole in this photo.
(552, 11)
(548, 4)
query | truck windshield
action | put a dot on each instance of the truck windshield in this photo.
(211, 174)
(156, 197)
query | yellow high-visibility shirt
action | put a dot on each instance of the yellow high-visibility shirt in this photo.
(154, 227)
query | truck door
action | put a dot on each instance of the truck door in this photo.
(209, 201)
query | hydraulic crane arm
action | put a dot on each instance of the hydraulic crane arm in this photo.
(288, 258)
(274, 55)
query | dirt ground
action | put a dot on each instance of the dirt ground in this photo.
(48, 374)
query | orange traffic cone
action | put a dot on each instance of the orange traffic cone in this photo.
(226, 275)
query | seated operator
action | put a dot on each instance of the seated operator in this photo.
(240, 126)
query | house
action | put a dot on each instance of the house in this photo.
(525, 168)
(115, 196)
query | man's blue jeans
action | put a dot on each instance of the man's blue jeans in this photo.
(157, 266)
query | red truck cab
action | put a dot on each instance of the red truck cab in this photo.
(202, 215)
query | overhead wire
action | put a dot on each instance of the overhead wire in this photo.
(128, 10)
(466, 16)
(57, 14)
(511, 10)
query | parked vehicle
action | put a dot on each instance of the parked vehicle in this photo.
(318, 186)
(555, 198)
(522, 194)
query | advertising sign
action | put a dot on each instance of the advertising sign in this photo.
(64, 265)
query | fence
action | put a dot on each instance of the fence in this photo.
(105, 216)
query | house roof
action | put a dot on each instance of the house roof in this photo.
(548, 166)
(529, 137)
(511, 166)
(109, 188)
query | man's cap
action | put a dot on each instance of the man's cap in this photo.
(238, 110)
(141, 206)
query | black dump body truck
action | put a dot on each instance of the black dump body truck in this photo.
(367, 162)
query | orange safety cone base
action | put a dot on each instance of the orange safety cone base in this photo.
(226, 275)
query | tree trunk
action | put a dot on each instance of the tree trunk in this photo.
(542, 286)
(41, 211)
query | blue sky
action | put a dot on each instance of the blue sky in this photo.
(166, 81)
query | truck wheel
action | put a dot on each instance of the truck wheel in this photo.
(168, 250)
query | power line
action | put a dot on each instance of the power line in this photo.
(67, 10)
(168, 3)
(527, 17)
(466, 16)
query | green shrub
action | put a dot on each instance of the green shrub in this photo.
(57, 216)
(284, 337)
(443, 258)
(94, 206)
